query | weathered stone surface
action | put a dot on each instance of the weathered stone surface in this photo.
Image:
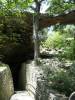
(72, 96)
(30, 79)
(6, 83)
(35, 83)
(21, 96)
(33, 74)
(52, 97)
(55, 96)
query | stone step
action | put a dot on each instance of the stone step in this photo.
(21, 95)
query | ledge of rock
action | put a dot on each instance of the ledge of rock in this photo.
(22, 96)
(6, 83)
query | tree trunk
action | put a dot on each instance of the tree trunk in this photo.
(35, 36)
(35, 31)
(74, 48)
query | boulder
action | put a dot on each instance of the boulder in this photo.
(31, 80)
(55, 96)
(72, 96)
(6, 82)
(21, 96)
(52, 96)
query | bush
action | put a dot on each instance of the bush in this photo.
(55, 41)
(59, 41)
(63, 81)
(68, 51)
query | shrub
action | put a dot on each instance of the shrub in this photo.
(55, 41)
(68, 51)
(63, 81)
(60, 41)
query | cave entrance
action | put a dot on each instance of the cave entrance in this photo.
(15, 70)
(15, 62)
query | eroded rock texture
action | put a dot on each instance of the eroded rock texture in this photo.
(6, 83)
(31, 80)
(72, 96)
(21, 96)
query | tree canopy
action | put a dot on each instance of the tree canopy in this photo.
(59, 11)
(21, 9)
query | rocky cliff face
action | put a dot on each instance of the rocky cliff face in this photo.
(16, 45)
(6, 83)
(16, 38)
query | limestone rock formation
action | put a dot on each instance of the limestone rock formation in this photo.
(72, 96)
(56, 96)
(6, 83)
(23, 95)
(31, 80)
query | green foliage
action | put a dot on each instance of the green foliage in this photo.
(62, 39)
(4, 40)
(62, 80)
(13, 7)
(55, 41)
(13, 35)
(60, 6)
(68, 51)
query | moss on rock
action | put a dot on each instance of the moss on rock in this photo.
(6, 83)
